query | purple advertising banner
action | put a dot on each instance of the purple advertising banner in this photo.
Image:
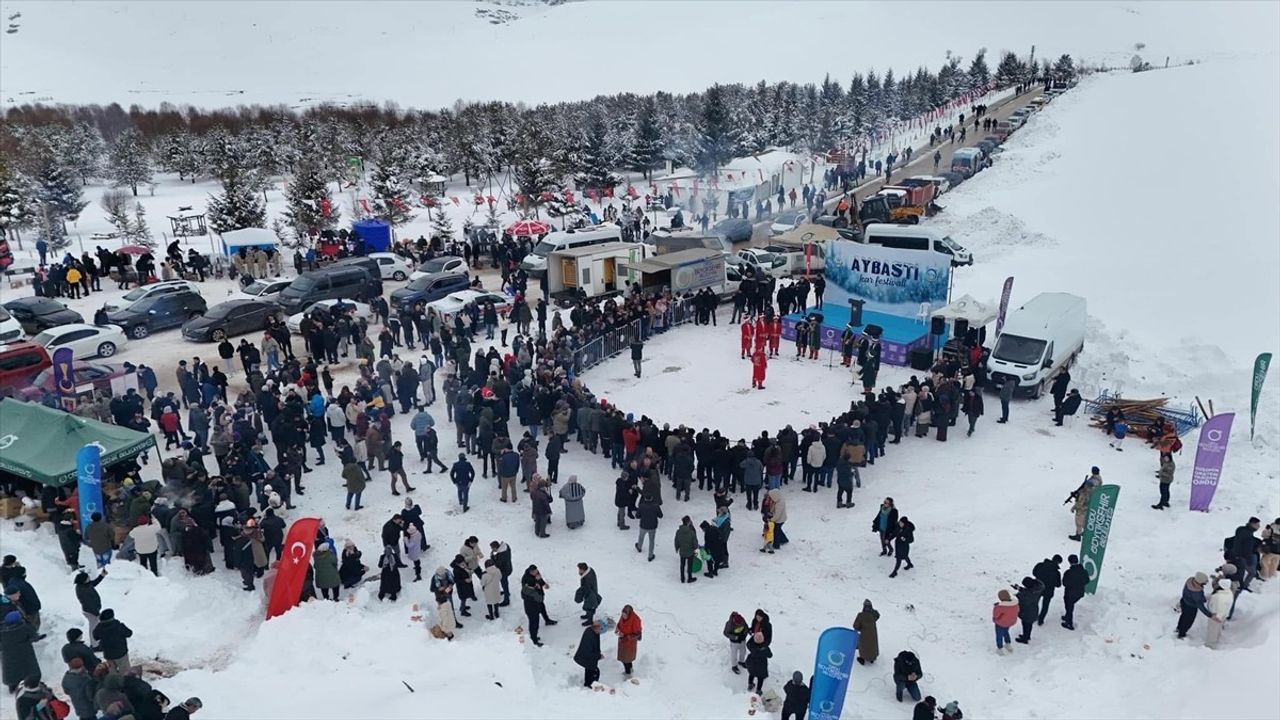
(64, 378)
(1210, 453)
(1004, 303)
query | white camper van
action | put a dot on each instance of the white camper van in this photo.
(1038, 339)
(535, 263)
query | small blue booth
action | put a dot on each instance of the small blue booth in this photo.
(376, 234)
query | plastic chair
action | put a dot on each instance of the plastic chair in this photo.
(923, 314)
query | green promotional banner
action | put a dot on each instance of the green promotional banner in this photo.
(1097, 527)
(1260, 367)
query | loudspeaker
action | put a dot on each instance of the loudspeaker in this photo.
(937, 325)
(921, 359)
(855, 313)
(816, 316)
(960, 328)
(874, 331)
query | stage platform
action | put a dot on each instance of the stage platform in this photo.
(901, 335)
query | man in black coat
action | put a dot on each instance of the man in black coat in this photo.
(1073, 582)
(1028, 606)
(588, 654)
(113, 638)
(391, 532)
(75, 648)
(1059, 388)
(796, 703)
(1244, 550)
(1046, 571)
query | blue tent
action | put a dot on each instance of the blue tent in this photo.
(375, 233)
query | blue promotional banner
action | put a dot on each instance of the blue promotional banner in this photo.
(888, 280)
(64, 378)
(89, 482)
(837, 648)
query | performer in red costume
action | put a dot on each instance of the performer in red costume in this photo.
(759, 364)
(747, 330)
(775, 336)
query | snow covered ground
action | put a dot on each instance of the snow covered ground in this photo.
(987, 507)
(428, 55)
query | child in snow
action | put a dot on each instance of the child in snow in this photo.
(768, 537)
(1121, 428)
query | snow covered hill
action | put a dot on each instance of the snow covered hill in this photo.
(428, 55)
(1098, 197)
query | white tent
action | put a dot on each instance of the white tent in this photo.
(977, 313)
(248, 237)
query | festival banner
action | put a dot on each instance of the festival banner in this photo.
(1210, 453)
(1260, 367)
(1097, 528)
(832, 667)
(64, 377)
(292, 569)
(888, 280)
(1004, 303)
(89, 483)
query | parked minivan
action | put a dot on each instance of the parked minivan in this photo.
(535, 263)
(1039, 339)
(349, 281)
(916, 237)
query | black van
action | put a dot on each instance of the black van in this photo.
(348, 281)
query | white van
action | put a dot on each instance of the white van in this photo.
(535, 263)
(916, 237)
(1039, 338)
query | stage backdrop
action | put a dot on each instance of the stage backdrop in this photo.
(889, 281)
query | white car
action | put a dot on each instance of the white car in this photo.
(165, 287)
(447, 306)
(940, 184)
(85, 341)
(265, 289)
(392, 266)
(786, 222)
(442, 264)
(360, 310)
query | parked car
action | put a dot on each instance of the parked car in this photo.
(787, 221)
(19, 362)
(429, 287)
(267, 289)
(231, 318)
(10, 329)
(439, 265)
(392, 266)
(85, 341)
(89, 378)
(359, 310)
(449, 305)
(36, 314)
(735, 230)
(165, 287)
(159, 312)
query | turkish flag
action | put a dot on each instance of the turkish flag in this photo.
(456, 200)
(593, 195)
(491, 199)
(608, 192)
(324, 207)
(546, 195)
(631, 192)
(291, 571)
(519, 198)
(364, 204)
(398, 203)
(568, 195)
(479, 200)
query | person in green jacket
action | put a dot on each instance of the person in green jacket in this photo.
(687, 547)
(326, 572)
(356, 478)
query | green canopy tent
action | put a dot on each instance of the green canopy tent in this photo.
(40, 443)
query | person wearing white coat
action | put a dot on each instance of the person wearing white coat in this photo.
(1219, 608)
(813, 461)
(491, 586)
(413, 549)
(146, 542)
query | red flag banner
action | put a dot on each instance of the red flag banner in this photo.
(631, 192)
(546, 195)
(491, 199)
(479, 199)
(593, 195)
(456, 200)
(608, 192)
(568, 196)
(325, 207)
(398, 203)
(519, 198)
(291, 571)
(363, 204)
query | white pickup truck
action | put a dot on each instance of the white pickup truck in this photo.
(782, 260)
(765, 262)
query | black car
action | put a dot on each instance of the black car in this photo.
(230, 318)
(36, 314)
(428, 288)
(734, 230)
(147, 315)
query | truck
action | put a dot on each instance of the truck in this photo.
(805, 248)
(1038, 340)
(667, 241)
(764, 263)
(898, 204)
(590, 271)
(686, 271)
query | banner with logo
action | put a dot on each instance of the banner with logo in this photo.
(89, 483)
(1260, 367)
(64, 377)
(1004, 303)
(292, 569)
(1097, 528)
(1210, 453)
(832, 667)
(888, 280)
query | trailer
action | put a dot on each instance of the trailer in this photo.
(591, 270)
(687, 271)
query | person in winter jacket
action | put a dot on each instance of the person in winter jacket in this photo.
(1004, 613)
(1028, 606)
(629, 632)
(350, 569)
(736, 630)
(752, 479)
(491, 586)
(113, 638)
(925, 709)
(587, 593)
(758, 654)
(885, 524)
(1046, 571)
(17, 651)
(327, 578)
(462, 584)
(686, 544)
(902, 540)
(75, 648)
(414, 545)
(1080, 500)
(80, 687)
(100, 538)
(1073, 582)
(1192, 602)
(796, 697)
(588, 655)
(776, 504)
(146, 543)
(541, 501)
(389, 576)
(868, 635)
(906, 675)
(572, 494)
(650, 511)
(1219, 604)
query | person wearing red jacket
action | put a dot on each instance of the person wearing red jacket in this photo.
(630, 440)
(762, 333)
(759, 364)
(747, 330)
(1005, 615)
(169, 425)
(775, 336)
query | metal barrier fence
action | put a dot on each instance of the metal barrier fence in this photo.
(618, 340)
